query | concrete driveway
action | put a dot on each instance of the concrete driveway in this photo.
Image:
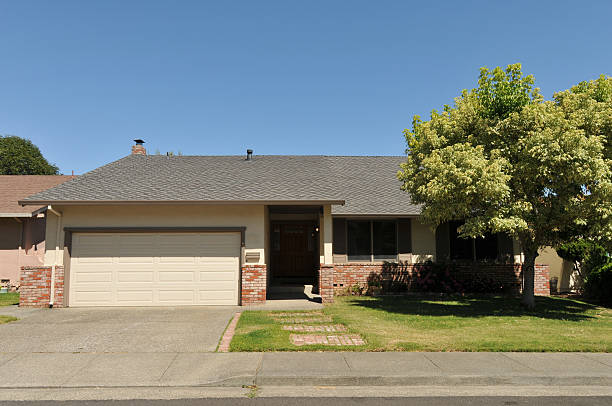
(115, 330)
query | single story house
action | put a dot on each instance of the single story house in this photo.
(22, 229)
(154, 230)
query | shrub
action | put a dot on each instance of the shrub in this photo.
(375, 280)
(598, 285)
(482, 284)
(439, 278)
(586, 256)
(444, 278)
(395, 277)
(356, 290)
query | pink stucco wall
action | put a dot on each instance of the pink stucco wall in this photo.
(21, 244)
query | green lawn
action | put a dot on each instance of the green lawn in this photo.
(446, 324)
(7, 299)
(6, 319)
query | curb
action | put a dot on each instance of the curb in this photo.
(453, 380)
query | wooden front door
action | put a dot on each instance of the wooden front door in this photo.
(294, 249)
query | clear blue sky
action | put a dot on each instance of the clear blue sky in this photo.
(81, 79)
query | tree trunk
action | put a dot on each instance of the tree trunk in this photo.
(529, 278)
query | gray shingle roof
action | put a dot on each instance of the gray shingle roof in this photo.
(367, 184)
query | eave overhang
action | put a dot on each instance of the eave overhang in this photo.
(177, 202)
(20, 215)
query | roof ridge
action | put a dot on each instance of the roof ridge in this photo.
(273, 155)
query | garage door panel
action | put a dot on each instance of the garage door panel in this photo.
(92, 249)
(135, 260)
(176, 296)
(218, 285)
(218, 245)
(134, 296)
(214, 252)
(221, 297)
(136, 248)
(178, 244)
(140, 269)
(88, 277)
(175, 276)
(217, 261)
(134, 266)
(95, 260)
(208, 276)
(177, 260)
(85, 297)
(92, 243)
(137, 276)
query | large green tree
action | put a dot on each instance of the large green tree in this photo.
(18, 156)
(503, 159)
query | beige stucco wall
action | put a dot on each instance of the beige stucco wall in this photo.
(267, 239)
(423, 242)
(559, 268)
(518, 252)
(326, 238)
(253, 217)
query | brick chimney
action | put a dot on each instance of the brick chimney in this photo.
(139, 149)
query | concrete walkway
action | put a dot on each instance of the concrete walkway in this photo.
(86, 370)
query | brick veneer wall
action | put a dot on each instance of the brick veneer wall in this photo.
(326, 283)
(508, 274)
(35, 289)
(542, 280)
(338, 277)
(253, 284)
(347, 275)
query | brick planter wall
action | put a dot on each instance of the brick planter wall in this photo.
(35, 289)
(347, 275)
(326, 283)
(508, 274)
(337, 278)
(253, 284)
(542, 280)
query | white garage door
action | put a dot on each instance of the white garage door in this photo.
(154, 269)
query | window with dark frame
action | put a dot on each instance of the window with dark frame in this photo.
(472, 249)
(359, 234)
(371, 240)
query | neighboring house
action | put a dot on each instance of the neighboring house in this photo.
(561, 269)
(201, 230)
(22, 229)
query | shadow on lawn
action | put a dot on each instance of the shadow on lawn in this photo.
(547, 308)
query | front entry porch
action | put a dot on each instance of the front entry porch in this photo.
(294, 253)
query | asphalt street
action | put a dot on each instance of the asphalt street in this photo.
(426, 401)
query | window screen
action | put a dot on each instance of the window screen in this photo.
(359, 242)
(385, 240)
(472, 249)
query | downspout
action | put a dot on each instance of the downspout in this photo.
(21, 225)
(57, 243)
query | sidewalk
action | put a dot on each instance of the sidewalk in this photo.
(99, 370)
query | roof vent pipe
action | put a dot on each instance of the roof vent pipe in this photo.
(249, 155)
